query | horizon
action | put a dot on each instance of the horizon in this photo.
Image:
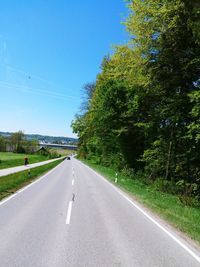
(40, 134)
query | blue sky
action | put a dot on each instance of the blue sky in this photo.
(48, 51)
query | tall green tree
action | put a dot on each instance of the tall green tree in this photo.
(16, 141)
(2, 143)
(164, 35)
(144, 110)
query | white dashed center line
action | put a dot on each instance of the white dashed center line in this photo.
(69, 212)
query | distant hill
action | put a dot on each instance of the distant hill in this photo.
(46, 138)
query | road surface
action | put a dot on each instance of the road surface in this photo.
(8, 171)
(73, 217)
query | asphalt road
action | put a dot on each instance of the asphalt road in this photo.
(11, 170)
(73, 217)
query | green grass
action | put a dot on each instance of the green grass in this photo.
(184, 218)
(11, 183)
(8, 159)
(61, 151)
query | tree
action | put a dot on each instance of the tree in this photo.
(2, 143)
(144, 110)
(16, 141)
(164, 36)
(88, 90)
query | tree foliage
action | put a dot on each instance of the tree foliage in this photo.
(17, 143)
(144, 110)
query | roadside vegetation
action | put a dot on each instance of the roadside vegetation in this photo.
(169, 207)
(61, 151)
(17, 143)
(9, 159)
(141, 116)
(15, 148)
(143, 111)
(13, 182)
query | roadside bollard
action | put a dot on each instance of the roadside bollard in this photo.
(116, 175)
(29, 173)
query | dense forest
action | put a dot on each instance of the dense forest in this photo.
(143, 111)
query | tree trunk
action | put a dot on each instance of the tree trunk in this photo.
(169, 155)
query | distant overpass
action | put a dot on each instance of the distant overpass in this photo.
(70, 147)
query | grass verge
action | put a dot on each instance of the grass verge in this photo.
(9, 159)
(184, 218)
(13, 182)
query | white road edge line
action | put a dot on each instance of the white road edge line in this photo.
(26, 187)
(69, 213)
(194, 255)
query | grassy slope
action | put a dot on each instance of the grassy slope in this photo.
(9, 159)
(169, 207)
(10, 183)
(61, 151)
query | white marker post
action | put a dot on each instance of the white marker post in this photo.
(116, 175)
